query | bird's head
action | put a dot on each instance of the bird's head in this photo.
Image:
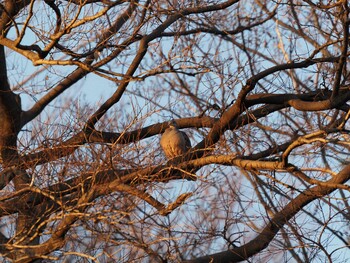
(172, 124)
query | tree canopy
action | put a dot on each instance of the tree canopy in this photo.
(88, 87)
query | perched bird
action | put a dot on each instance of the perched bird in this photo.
(174, 142)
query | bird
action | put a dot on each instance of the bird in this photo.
(174, 142)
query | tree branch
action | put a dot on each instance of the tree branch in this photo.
(262, 240)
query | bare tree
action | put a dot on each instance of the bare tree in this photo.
(260, 87)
